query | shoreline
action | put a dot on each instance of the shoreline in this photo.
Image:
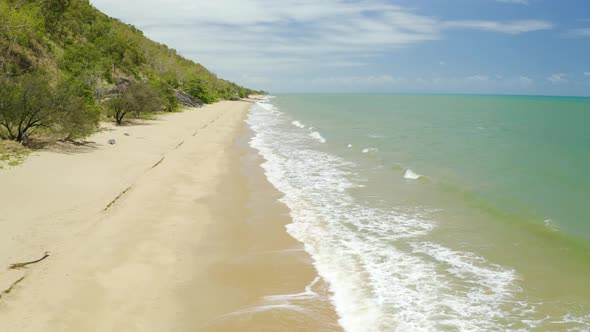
(266, 273)
(130, 229)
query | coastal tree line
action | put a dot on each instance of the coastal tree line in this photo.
(64, 66)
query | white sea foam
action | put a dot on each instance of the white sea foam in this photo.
(549, 223)
(410, 175)
(267, 105)
(262, 308)
(383, 271)
(298, 124)
(305, 295)
(369, 150)
(317, 136)
(349, 146)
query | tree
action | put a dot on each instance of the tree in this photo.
(168, 94)
(25, 104)
(53, 11)
(19, 27)
(136, 99)
(29, 102)
(77, 115)
(199, 89)
(82, 61)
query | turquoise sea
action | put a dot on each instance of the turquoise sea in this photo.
(438, 212)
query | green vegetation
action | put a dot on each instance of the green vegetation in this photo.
(12, 154)
(63, 64)
(135, 99)
(29, 102)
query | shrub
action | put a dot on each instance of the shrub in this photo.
(138, 98)
(77, 115)
(200, 90)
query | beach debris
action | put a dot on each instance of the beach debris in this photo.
(25, 264)
(9, 289)
(112, 141)
(126, 134)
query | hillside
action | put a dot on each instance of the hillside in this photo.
(68, 59)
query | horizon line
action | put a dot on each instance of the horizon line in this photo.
(431, 94)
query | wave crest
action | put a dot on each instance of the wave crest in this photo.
(317, 136)
(410, 175)
(298, 124)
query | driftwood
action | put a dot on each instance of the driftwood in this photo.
(9, 289)
(25, 264)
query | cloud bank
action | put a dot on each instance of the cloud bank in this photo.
(253, 41)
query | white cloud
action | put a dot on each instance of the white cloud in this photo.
(511, 27)
(584, 32)
(525, 80)
(577, 33)
(480, 78)
(255, 80)
(266, 38)
(518, 2)
(361, 81)
(232, 35)
(557, 78)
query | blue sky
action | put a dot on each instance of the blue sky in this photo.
(419, 46)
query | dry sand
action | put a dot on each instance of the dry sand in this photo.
(173, 228)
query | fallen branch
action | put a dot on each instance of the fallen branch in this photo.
(25, 264)
(9, 289)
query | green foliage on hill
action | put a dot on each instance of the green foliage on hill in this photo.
(81, 55)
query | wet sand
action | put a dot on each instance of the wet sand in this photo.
(258, 277)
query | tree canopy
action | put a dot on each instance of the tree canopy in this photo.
(135, 99)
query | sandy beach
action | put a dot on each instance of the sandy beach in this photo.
(173, 228)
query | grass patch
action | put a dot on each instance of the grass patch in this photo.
(12, 154)
(158, 114)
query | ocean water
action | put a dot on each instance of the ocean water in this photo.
(438, 212)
